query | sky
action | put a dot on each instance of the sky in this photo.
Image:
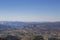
(30, 10)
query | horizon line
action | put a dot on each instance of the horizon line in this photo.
(29, 21)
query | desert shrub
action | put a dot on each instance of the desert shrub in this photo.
(38, 38)
(52, 39)
(9, 37)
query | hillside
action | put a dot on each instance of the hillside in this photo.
(47, 27)
(35, 27)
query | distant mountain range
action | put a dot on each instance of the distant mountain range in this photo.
(36, 27)
(13, 24)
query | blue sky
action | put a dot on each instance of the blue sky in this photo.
(30, 10)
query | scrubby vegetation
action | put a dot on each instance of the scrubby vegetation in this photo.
(28, 37)
(32, 31)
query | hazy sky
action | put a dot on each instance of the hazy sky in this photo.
(30, 10)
